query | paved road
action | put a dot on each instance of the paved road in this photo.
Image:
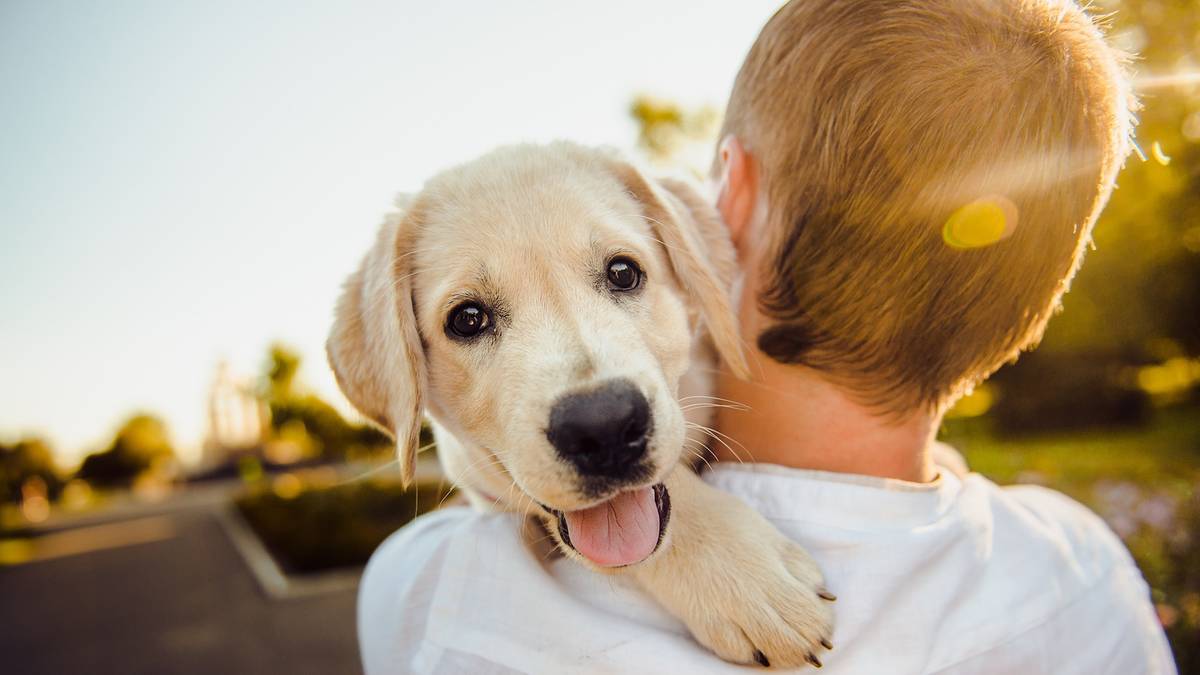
(181, 603)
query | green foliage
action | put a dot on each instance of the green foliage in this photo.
(1137, 298)
(331, 436)
(140, 444)
(306, 419)
(324, 528)
(1139, 291)
(1164, 454)
(282, 365)
(1066, 392)
(27, 459)
(670, 134)
(1182, 577)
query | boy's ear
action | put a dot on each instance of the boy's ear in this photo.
(681, 218)
(374, 347)
(737, 193)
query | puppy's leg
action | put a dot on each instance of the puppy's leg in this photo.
(744, 590)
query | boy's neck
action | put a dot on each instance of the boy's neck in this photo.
(797, 419)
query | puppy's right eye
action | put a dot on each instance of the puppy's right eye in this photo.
(623, 275)
(468, 320)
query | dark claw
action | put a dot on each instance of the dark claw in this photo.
(826, 644)
(824, 594)
(812, 658)
(761, 658)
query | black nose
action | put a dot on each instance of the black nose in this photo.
(603, 431)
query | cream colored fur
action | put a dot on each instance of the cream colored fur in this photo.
(528, 229)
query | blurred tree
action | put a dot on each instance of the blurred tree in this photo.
(671, 135)
(326, 433)
(29, 458)
(282, 365)
(141, 443)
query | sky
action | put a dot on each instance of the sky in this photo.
(184, 183)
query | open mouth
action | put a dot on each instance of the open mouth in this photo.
(622, 530)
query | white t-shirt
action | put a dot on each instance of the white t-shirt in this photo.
(956, 576)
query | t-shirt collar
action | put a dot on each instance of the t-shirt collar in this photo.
(837, 499)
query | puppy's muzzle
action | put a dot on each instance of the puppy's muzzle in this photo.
(603, 432)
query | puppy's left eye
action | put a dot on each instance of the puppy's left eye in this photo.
(468, 320)
(623, 275)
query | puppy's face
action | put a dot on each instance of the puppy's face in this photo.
(540, 304)
(554, 328)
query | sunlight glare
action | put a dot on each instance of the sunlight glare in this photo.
(1164, 81)
(980, 223)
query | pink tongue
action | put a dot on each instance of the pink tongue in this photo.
(620, 531)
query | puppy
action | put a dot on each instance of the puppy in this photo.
(558, 316)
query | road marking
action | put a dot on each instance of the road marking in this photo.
(86, 540)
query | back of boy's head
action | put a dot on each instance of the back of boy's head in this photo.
(932, 170)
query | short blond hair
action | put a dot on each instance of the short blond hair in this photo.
(875, 124)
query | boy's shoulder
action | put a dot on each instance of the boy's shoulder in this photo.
(1060, 585)
(1032, 513)
(1070, 529)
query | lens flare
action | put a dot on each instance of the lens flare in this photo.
(1159, 156)
(980, 223)
(1167, 80)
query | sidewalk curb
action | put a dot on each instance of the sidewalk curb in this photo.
(274, 582)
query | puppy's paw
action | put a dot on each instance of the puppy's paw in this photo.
(776, 612)
(744, 590)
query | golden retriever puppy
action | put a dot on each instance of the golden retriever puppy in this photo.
(558, 316)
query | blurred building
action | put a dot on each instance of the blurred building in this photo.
(237, 417)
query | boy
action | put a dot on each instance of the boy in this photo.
(910, 186)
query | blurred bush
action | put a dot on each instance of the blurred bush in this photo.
(141, 445)
(1066, 392)
(1179, 606)
(27, 461)
(310, 528)
(1162, 531)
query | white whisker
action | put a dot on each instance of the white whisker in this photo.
(721, 438)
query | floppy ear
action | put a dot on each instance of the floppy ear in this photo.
(698, 246)
(374, 347)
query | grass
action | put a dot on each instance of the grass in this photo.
(1163, 456)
